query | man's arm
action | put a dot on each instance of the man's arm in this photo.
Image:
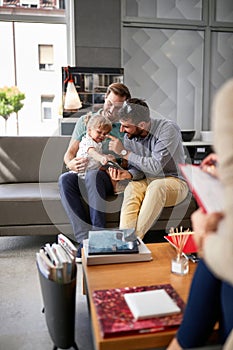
(117, 146)
(72, 162)
(160, 153)
(71, 151)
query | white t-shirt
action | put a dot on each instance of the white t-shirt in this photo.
(86, 143)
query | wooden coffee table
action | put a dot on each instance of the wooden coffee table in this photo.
(157, 271)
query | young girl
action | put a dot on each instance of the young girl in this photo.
(98, 127)
(90, 146)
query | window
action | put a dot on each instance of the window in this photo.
(47, 107)
(44, 30)
(36, 4)
(46, 61)
(30, 3)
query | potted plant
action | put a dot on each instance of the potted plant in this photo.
(10, 102)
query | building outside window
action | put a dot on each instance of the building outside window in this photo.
(52, 4)
(34, 43)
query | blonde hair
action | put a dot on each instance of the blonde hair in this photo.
(98, 121)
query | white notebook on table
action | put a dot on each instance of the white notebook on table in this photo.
(152, 303)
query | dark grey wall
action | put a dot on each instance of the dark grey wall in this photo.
(98, 33)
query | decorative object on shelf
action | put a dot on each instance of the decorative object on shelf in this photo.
(91, 84)
(187, 135)
(207, 136)
(179, 265)
(72, 101)
(10, 102)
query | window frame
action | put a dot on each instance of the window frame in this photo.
(47, 102)
(45, 66)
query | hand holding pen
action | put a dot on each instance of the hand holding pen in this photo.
(209, 164)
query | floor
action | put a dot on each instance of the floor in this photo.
(22, 323)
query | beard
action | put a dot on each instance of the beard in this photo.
(113, 117)
(137, 133)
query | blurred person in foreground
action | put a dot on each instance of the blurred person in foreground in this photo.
(211, 294)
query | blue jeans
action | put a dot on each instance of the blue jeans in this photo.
(84, 200)
(210, 300)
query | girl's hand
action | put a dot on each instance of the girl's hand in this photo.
(104, 160)
(111, 157)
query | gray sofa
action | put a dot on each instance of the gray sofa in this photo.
(29, 196)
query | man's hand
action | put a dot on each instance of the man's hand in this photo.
(117, 174)
(77, 164)
(115, 144)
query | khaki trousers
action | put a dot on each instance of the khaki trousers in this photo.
(145, 199)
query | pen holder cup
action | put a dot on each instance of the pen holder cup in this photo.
(59, 308)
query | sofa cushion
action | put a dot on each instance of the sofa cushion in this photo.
(32, 159)
(31, 203)
(39, 203)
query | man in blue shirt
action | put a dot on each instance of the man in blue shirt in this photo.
(97, 184)
(153, 149)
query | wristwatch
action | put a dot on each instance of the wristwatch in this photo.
(124, 152)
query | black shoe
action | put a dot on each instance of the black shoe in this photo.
(79, 253)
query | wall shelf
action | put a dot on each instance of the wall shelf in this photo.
(91, 84)
(196, 151)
